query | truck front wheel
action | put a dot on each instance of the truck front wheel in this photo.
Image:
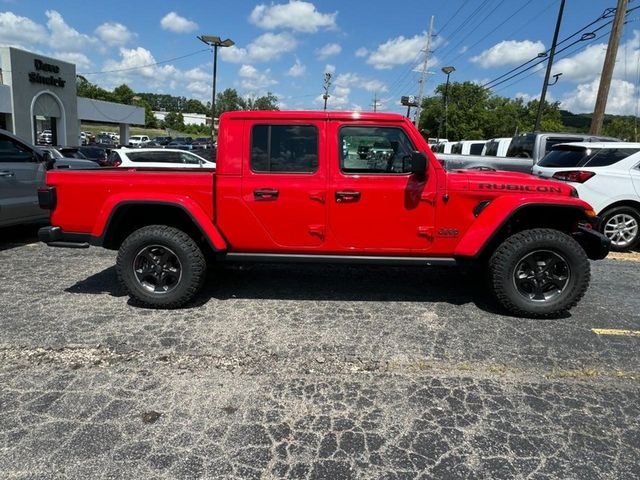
(161, 266)
(539, 273)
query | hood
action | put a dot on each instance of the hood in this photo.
(501, 182)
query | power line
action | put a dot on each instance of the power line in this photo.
(161, 62)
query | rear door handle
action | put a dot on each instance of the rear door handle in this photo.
(347, 196)
(6, 173)
(265, 194)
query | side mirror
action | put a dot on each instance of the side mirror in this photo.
(419, 163)
(48, 160)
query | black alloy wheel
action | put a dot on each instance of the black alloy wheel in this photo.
(542, 275)
(157, 269)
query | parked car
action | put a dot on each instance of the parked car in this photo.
(137, 140)
(607, 176)
(284, 191)
(22, 171)
(99, 155)
(150, 144)
(442, 147)
(496, 147)
(162, 140)
(202, 142)
(158, 158)
(182, 143)
(468, 147)
(524, 152)
(103, 139)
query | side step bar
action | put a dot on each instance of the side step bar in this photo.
(358, 259)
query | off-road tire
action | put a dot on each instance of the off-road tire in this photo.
(510, 253)
(622, 210)
(190, 256)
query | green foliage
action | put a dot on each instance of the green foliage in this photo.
(623, 128)
(229, 101)
(85, 88)
(473, 113)
(123, 94)
(266, 102)
(174, 121)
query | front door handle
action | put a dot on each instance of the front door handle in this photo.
(265, 194)
(347, 196)
(6, 173)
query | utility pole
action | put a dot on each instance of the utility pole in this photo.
(607, 68)
(326, 86)
(543, 94)
(375, 102)
(423, 76)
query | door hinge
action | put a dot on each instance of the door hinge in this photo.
(317, 231)
(318, 195)
(429, 197)
(426, 232)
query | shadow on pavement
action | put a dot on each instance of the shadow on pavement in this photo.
(19, 235)
(323, 282)
(105, 281)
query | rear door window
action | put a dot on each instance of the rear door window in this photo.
(284, 149)
(476, 148)
(12, 151)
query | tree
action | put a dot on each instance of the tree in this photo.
(86, 89)
(196, 106)
(123, 94)
(174, 121)
(621, 127)
(266, 102)
(229, 101)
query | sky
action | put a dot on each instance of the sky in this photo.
(374, 49)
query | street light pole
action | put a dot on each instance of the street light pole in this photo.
(214, 42)
(448, 71)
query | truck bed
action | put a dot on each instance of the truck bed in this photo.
(452, 161)
(85, 197)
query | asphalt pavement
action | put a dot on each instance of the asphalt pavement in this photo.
(323, 372)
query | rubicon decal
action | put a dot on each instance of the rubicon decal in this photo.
(519, 188)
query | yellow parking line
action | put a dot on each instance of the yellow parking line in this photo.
(614, 331)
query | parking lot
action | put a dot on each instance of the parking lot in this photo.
(310, 372)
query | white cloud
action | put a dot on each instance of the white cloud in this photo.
(197, 74)
(362, 52)
(64, 37)
(343, 86)
(328, 68)
(81, 61)
(177, 24)
(398, 51)
(296, 15)
(137, 64)
(268, 46)
(253, 80)
(20, 31)
(508, 52)
(297, 69)
(621, 100)
(114, 34)
(328, 50)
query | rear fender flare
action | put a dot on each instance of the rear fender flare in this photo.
(186, 204)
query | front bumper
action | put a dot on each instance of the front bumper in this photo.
(55, 237)
(594, 243)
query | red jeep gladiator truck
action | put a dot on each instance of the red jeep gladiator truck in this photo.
(296, 187)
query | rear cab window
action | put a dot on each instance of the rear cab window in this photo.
(522, 146)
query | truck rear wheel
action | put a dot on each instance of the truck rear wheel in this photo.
(539, 273)
(161, 266)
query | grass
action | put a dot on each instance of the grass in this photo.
(150, 132)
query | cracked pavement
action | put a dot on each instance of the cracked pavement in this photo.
(323, 372)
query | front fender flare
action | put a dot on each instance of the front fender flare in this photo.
(500, 211)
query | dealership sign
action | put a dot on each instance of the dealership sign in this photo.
(43, 78)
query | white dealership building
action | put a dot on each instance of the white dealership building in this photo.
(38, 93)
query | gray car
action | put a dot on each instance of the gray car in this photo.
(23, 169)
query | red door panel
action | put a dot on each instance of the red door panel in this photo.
(284, 182)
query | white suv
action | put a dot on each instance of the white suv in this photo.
(138, 140)
(606, 175)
